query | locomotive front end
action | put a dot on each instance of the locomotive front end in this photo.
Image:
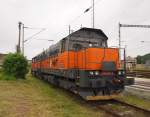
(101, 76)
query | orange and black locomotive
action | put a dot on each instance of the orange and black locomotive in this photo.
(83, 63)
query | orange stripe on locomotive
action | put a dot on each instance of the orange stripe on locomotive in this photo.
(88, 59)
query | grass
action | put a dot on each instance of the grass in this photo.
(34, 98)
(132, 99)
(4, 76)
(142, 69)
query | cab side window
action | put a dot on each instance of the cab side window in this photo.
(77, 47)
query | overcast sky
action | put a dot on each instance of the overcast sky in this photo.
(56, 15)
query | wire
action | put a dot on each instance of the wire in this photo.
(34, 28)
(34, 35)
(45, 39)
(76, 18)
(85, 11)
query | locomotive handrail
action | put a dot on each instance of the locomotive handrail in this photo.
(113, 47)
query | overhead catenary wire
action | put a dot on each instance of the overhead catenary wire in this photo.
(34, 28)
(46, 39)
(81, 14)
(34, 35)
(85, 11)
(62, 31)
(75, 19)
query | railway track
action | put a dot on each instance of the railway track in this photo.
(117, 108)
(141, 85)
(143, 88)
(139, 73)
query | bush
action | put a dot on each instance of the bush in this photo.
(16, 65)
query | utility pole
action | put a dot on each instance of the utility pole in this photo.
(68, 45)
(125, 62)
(93, 15)
(119, 41)
(18, 46)
(69, 29)
(23, 39)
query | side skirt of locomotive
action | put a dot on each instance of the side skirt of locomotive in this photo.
(82, 89)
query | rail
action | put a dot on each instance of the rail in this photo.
(117, 108)
(139, 73)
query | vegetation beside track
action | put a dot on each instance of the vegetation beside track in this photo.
(34, 98)
(16, 65)
(134, 100)
(4, 76)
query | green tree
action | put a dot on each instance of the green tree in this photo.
(15, 64)
(143, 59)
(139, 59)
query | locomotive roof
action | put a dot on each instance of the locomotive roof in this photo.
(94, 30)
(84, 29)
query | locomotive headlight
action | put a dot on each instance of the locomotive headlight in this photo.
(91, 73)
(96, 73)
(119, 73)
(123, 72)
